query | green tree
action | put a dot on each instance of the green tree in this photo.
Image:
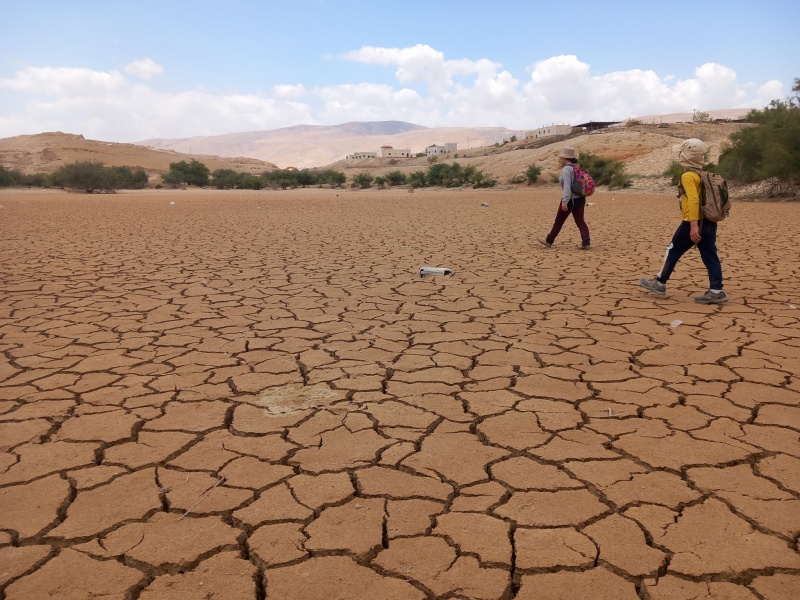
(380, 182)
(395, 178)
(7, 178)
(130, 179)
(331, 177)
(194, 173)
(417, 179)
(306, 178)
(224, 179)
(363, 180)
(246, 181)
(532, 174)
(770, 148)
(282, 178)
(88, 176)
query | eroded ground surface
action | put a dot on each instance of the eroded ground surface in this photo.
(532, 427)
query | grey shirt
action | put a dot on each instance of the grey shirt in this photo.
(566, 179)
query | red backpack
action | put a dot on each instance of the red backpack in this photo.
(583, 183)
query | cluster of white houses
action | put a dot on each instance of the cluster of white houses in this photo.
(434, 150)
(548, 131)
(391, 152)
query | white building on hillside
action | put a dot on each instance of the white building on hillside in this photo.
(548, 131)
(362, 155)
(389, 152)
(436, 149)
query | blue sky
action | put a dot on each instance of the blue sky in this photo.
(125, 71)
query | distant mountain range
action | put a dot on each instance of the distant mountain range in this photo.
(305, 146)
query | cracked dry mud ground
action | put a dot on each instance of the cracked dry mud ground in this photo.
(532, 427)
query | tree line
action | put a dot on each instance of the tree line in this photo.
(86, 176)
(438, 175)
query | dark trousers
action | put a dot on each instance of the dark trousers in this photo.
(575, 208)
(681, 243)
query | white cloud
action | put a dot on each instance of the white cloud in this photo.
(560, 89)
(144, 68)
(63, 82)
(289, 91)
(421, 63)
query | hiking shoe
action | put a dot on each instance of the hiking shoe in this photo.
(545, 243)
(654, 285)
(585, 247)
(712, 298)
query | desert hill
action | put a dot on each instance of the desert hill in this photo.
(46, 152)
(308, 146)
(645, 150)
(643, 145)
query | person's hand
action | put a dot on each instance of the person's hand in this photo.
(694, 233)
(564, 207)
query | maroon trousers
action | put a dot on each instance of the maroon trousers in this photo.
(575, 208)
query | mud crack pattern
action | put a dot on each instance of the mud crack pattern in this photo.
(252, 395)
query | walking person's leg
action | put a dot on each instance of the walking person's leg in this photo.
(708, 252)
(681, 242)
(577, 214)
(561, 217)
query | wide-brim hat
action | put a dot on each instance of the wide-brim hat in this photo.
(691, 153)
(567, 152)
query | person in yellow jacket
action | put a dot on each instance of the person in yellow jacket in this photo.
(693, 230)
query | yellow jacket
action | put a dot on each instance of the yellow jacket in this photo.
(690, 199)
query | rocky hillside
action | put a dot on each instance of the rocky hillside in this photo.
(309, 146)
(646, 151)
(46, 152)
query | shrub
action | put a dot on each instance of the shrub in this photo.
(532, 174)
(224, 179)
(88, 176)
(395, 178)
(417, 179)
(517, 179)
(674, 172)
(194, 173)
(770, 148)
(605, 171)
(7, 178)
(363, 180)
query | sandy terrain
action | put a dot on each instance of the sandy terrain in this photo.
(536, 426)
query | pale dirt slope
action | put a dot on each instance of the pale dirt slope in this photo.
(46, 152)
(646, 151)
(306, 146)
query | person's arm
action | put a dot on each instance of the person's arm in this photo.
(691, 185)
(567, 177)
